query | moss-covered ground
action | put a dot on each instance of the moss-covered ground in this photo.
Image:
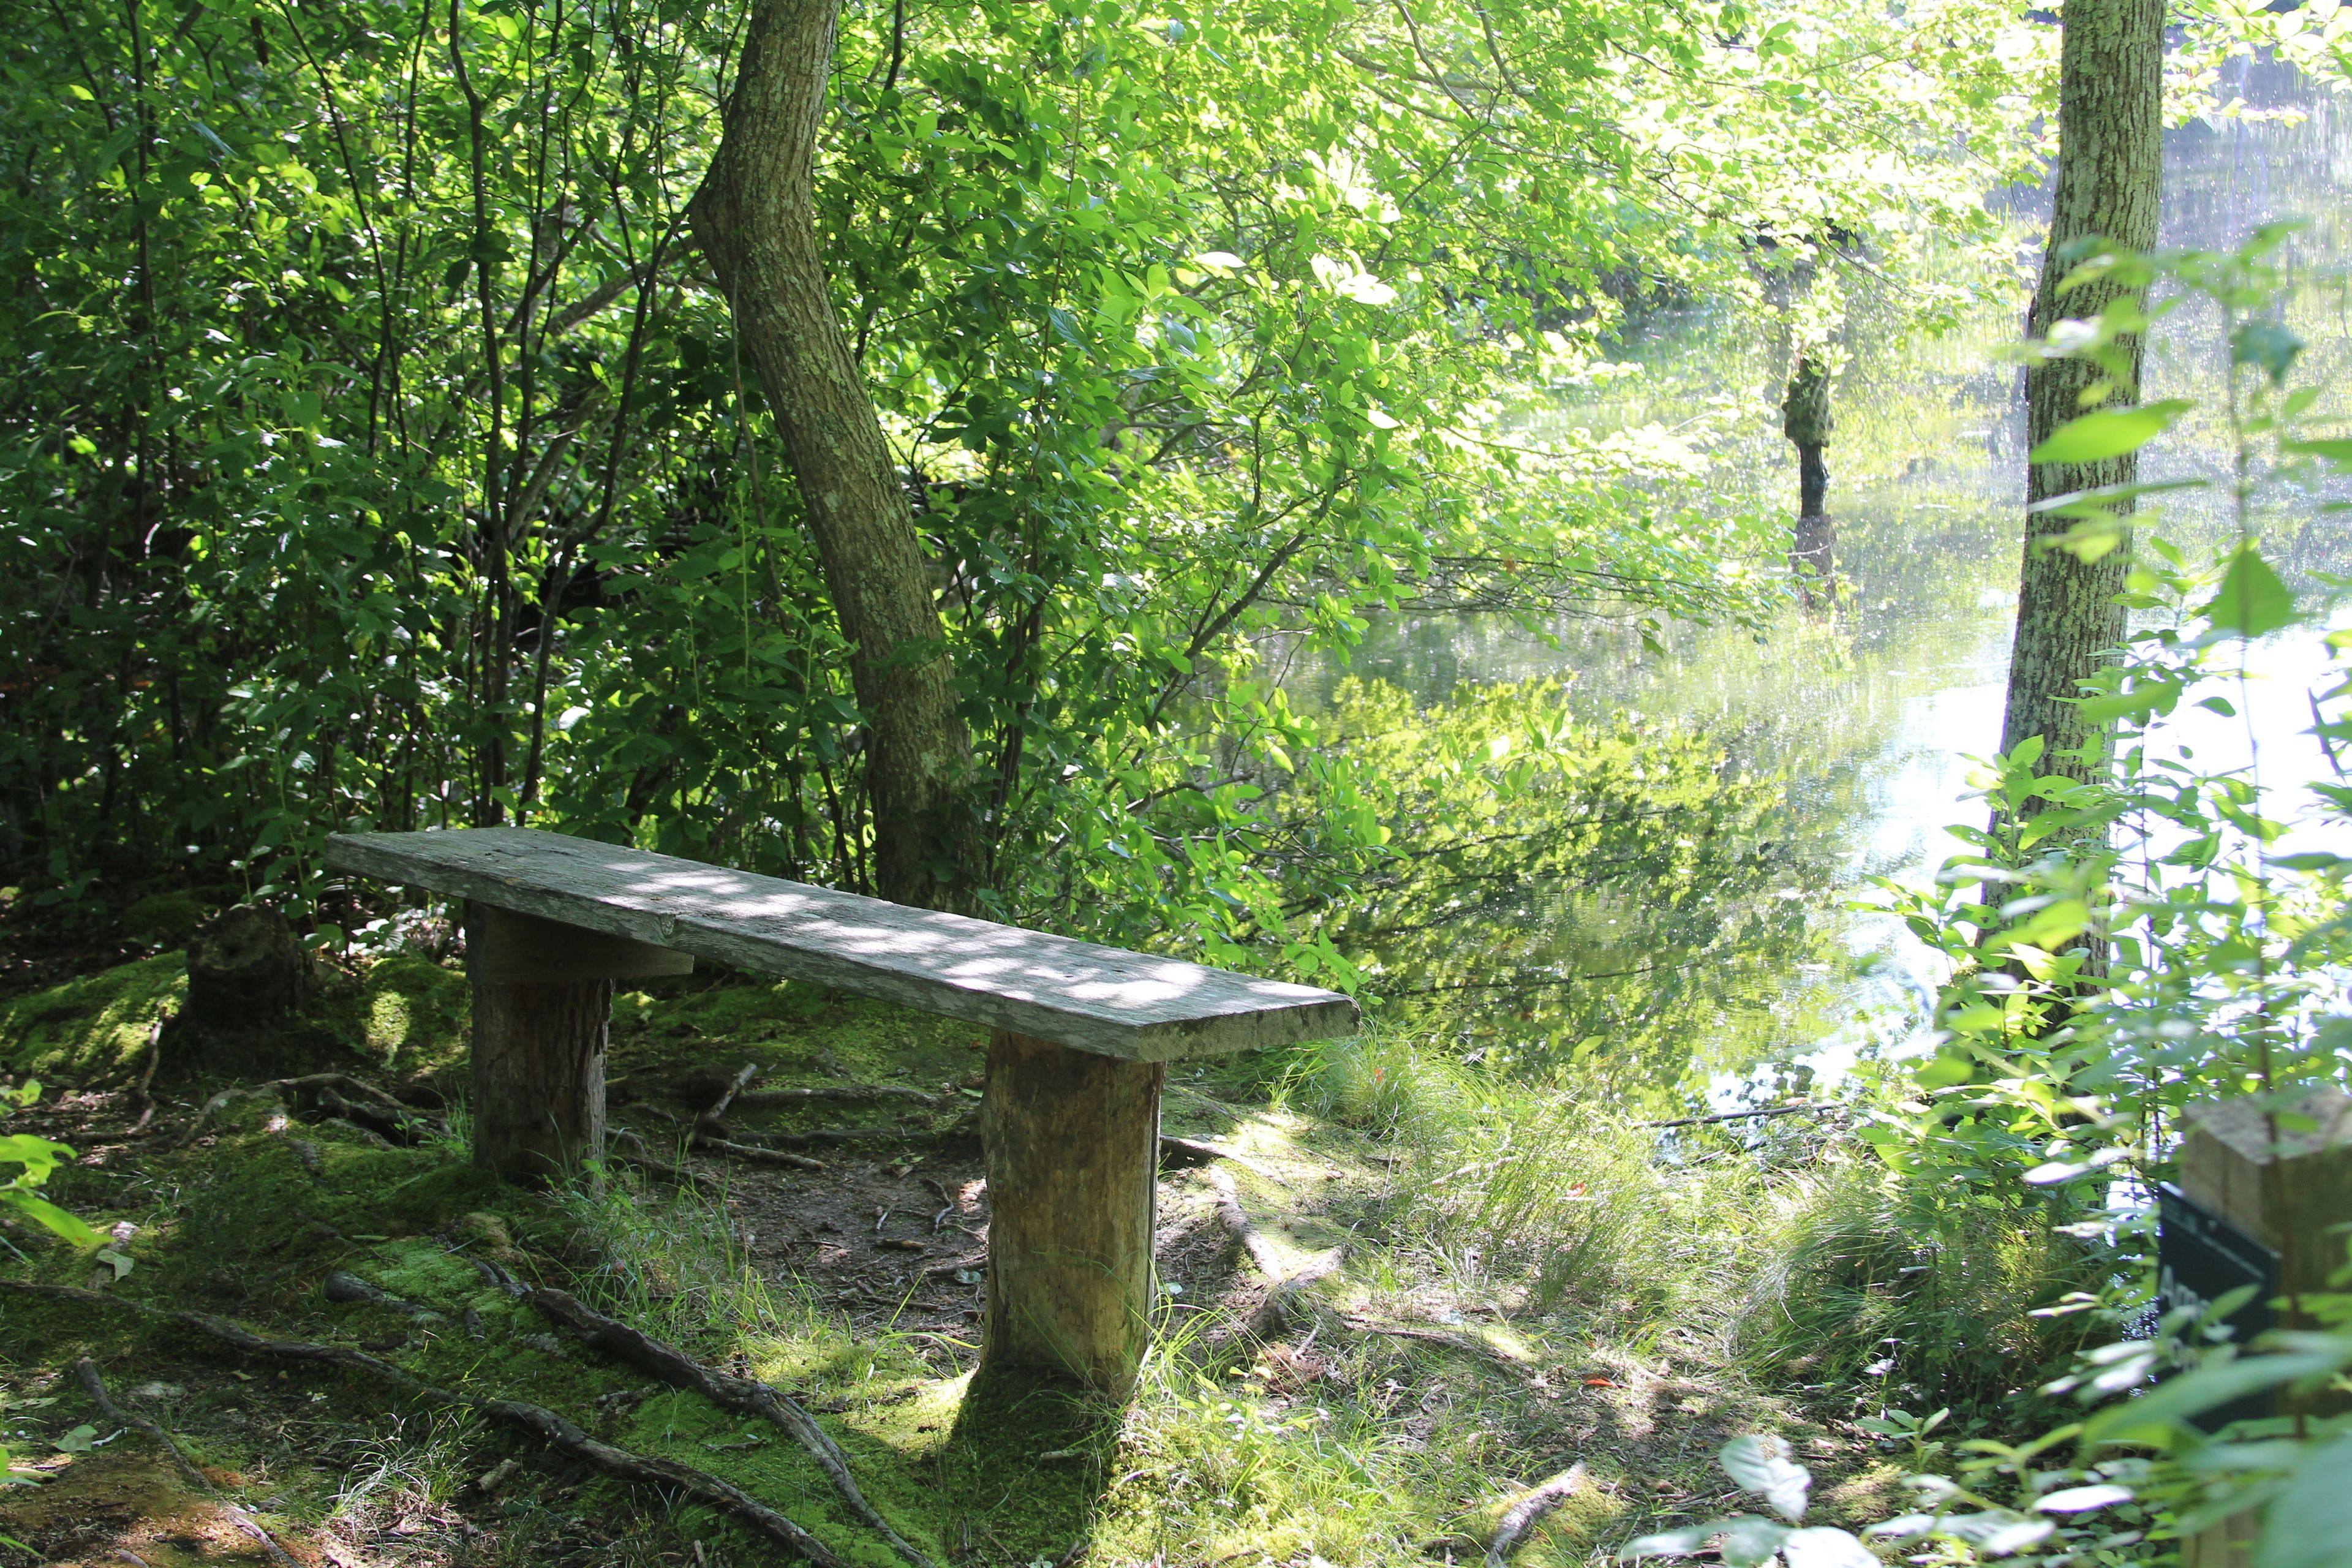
(1456, 1357)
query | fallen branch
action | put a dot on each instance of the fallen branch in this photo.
(86, 1372)
(753, 1152)
(642, 1469)
(752, 1397)
(1522, 1516)
(1284, 1291)
(719, 1106)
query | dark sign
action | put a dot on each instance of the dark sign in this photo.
(2201, 1258)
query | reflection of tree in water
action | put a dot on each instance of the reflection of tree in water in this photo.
(1561, 889)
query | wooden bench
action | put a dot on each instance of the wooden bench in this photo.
(1070, 1119)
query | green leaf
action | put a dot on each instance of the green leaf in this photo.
(2156, 1416)
(1761, 1465)
(1823, 1547)
(1943, 1070)
(2109, 433)
(44, 1213)
(2309, 1522)
(2267, 345)
(2251, 600)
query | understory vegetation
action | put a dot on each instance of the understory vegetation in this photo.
(1319, 482)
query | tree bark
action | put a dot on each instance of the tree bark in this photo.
(1073, 1150)
(2110, 182)
(755, 217)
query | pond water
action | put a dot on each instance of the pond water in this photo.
(1867, 716)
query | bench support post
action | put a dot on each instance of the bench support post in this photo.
(543, 999)
(1073, 1150)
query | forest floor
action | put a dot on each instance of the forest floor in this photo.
(1394, 1416)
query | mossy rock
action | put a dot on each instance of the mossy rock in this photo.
(94, 1029)
(412, 1014)
(170, 917)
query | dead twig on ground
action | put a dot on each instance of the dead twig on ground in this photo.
(719, 1106)
(641, 1470)
(1524, 1514)
(754, 1152)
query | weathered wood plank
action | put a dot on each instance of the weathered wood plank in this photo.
(1092, 999)
(1073, 1140)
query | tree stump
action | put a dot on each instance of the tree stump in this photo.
(246, 969)
(1806, 421)
(2292, 1196)
(542, 1003)
(1073, 1150)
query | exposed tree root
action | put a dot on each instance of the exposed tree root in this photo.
(752, 1397)
(1523, 1515)
(1469, 1343)
(1196, 1149)
(625, 1148)
(1285, 1292)
(343, 1083)
(640, 1469)
(348, 1288)
(86, 1372)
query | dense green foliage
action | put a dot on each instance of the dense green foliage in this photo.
(1188, 328)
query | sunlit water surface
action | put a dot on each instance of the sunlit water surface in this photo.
(1871, 715)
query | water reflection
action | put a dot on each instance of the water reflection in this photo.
(1858, 725)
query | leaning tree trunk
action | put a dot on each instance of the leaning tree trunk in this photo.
(1805, 421)
(755, 217)
(2110, 179)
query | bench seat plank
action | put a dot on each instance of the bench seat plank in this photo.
(1137, 1006)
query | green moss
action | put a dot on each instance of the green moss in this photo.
(169, 917)
(94, 1028)
(434, 1198)
(412, 1014)
(1026, 1466)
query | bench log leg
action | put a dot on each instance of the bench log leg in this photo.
(542, 1001)
(1073, 1149)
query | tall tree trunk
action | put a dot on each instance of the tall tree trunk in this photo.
(2110, 181)
(755, 217)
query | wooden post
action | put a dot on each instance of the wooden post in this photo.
(543, 999)
(2293, 1195)
(1073, 1149)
